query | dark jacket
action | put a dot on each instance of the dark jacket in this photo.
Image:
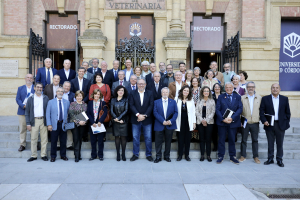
(165, 79)
(29, 110)
(119, 109)
(115, 78)
(151, 87)
(109, 78)
(284, 114)
(91, 70)
(90, 112)
(149, 78)
(145, 109)
(71, 97)
(85, 87)
(49, 91)
(63, 77)
(41, 75)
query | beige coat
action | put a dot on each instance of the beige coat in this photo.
(191, 113)
(246, 108)
(210, 111)
(172, 88)
(219, 76)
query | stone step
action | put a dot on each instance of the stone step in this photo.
(111, 154)
(110, 145)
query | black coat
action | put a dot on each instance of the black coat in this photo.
(165, 79)
(151, 87)
(109, 78)
(119, 109)
(284, 114)
(148, 78)
(63, 77)
(85, 87)
(117, 78)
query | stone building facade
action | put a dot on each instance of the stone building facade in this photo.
(257, 21)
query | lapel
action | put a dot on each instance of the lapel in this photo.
(226, 100)
(64, 74)
(44, 72)
(233, 99)
(161, 107)
(271, 102)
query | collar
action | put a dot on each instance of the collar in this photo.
(141, 92)
(66, 70)
(38, 96)
(164, 99)
(275, 97)
(58, 99)
(67, 93)
(248, 96)
(156, 83)
(80, 79)
(229, 94)
(122, 80)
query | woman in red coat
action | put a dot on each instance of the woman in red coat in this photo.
(104, 88)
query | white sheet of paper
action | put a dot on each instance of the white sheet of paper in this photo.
(245, 123)
(98, 129)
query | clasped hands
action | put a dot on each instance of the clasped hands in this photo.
(95, 125)
(227, 120)
(141, 118)
(166, 123)
(204, 122)
(120, 121)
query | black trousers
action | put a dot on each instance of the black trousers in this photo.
(160, 137)
(63, 141)
(205, 133)
(277, 134)
(78, 132)
(254, 130)
(184, 141)
(94, 138)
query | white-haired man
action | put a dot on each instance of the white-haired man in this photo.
(145, 67)
(108, 76)
(45, 74)
(66, 74)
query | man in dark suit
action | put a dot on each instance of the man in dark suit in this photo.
(169, 76)
(81, 83)
(162, 68)
(141, 106)
(45, 74)
(150, 77)
(66, 74)
(108, 76)
(165, 113)
(95, 69)
(278, 106)
(87, 75)
(115, 70)
(232, 101)
(121, 81)
(50, 90)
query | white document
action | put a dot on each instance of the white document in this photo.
(245, 123)
(98, 129)
(25, 100)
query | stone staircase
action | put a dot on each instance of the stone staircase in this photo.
(10, 142)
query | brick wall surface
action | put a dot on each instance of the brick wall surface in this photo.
(290, 11)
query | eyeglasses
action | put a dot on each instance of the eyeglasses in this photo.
(60, 91)
(141, 84)
(251, 87)
(38, 87)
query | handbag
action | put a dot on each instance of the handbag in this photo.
(69, 126)
(108, 116)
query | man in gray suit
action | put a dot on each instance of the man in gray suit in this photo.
(87, 75)
(121, 81)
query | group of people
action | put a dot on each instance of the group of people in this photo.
(163, 105)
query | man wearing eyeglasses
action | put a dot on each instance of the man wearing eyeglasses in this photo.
(162, 68)
(128, 71)
(145, 66)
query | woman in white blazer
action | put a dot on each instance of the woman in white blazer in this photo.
(186, 120)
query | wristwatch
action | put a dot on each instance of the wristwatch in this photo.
(137, 114)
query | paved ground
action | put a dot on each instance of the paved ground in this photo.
(141, 179)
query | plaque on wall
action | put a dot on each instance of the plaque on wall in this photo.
(9, 68)
(175, 63)
(135, 4)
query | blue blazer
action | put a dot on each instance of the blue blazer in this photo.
(117, 78)
(92, 71)
(236, 106)
(131, 73)
(86, 84)
(21, 95)
(52, 113)
(136, 107)
(63, 76)
(41, 75)
(71, 96)
(158, 112)
(284, 114)
(90, 112)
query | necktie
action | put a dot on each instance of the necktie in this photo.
(48, 77)
(121, 82)
(115, 75)
(156, 86)
(165, 108)
(94, 70)
(133, 87)
(229, 99)
(60, 111)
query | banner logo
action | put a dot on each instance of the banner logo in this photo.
(291, 45)
(135, 29)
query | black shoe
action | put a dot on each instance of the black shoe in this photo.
(45, 158)
(179, 158)
(167, 159)
(92, 159)
(209, 159)
(269, 161)
(70, 148)
(157, 160)
(31, 159)
(118, 157)
(280, 164)
(52, 160)
(64, 158)
(134, 158)
(149, 158)
(174, 140)
(76, 160)
(123, 157)
(187, 158)
(101, 159)
(202, 158)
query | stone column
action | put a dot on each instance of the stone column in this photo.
(176, 21)
(160, 31)
(93, 42)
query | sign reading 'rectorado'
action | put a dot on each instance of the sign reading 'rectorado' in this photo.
(205, 28)
(63, 27)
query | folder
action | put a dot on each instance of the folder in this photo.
(228, 113)
(82, 116)
(270, 119)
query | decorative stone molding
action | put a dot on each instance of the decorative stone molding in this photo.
(61, 6)
(110, 14)
(209, 4)
(160, 15)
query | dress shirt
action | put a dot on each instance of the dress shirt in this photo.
(54, 90)
(165, 103)
(133, 86)
(85, 75)
(28, 90)
(95, 70)
(229, 96)
(51, 74)
(178, 87)
(142, 96)
(128, 74)
(275, 105)
(80, 82)
(156, 86)
(103, 74)
(62, 108)
(121, 82)
(66, 96)
(251, 101)
(38, 106)
(115, 71)
(67, 72)
(183, 76)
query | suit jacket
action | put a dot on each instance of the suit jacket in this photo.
(191, 113)
(145, 109)
(63, 77)
(49, 91)
(85, 87)
(148, 78)
(21, 95)
(151, 87)
(131, 73)
(158, 112)
(41, 75)
(210, 111)
(29, 111)
(71, 97)
(89, 76)
(284, 114)
(117, 78)
(236, 106)
(129, 89)
(91, 70)
(116, 84)
(90, 112)
(109, 78)
(172, 88)
(52, 113)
